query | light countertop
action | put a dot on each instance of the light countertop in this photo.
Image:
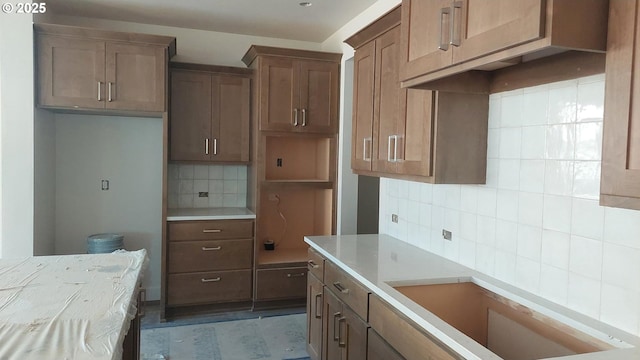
(209, 214)
(68, 307)
(380, 261)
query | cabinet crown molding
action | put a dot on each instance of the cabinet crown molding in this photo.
(258, 50)
(378, 27)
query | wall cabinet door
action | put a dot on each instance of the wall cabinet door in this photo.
(299, 95)
(363, 100)
(190, 121)
(620, 182)
(414, 142)
(209, 117)
(135, 77)
(71, 72)
(314, 317)
(439, 33)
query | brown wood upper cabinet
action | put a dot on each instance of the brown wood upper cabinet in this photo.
(94, 69)
(620, 182)
(209, 113)
(418, 134)
(297, 90)
(439, 36)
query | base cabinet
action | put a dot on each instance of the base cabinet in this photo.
(315, 313)
(346, 332)
(378, 349)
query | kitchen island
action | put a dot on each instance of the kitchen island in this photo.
(68, 307)
(385, 267)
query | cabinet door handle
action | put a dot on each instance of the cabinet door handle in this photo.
(364, 149)
(204, 248)
(312, 264)
(304, 117)
(209, 231)
(143, 300)
(210, 280)
(336, 334)
(341, 343)
(389, 148)
(455, 30)
(215, 146)
(443, 45)
(295, 117)
(110, 98)
(206, 146)
(295, 275)
(318, 296)
(395, 148)
(99, 90)
(340, 288)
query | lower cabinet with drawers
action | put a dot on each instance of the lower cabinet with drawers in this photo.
(346, 321)
(209, 262)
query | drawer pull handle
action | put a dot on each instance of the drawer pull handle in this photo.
(336, 334)
(296, 275)
(209, 231)
(204, 248)
(341, 343)
(319, 297)
(313, 265)
(210, 280)
(340, 288)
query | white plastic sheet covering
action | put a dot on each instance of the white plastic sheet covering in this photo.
(68, 307)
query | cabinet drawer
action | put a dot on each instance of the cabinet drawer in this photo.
(287, 283)
(316, 264)
(347, 289)
(210, 230)
(209, 287)
(190, 256)
(400, 333)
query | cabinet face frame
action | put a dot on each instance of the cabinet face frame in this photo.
(363, 93)
(315, 300)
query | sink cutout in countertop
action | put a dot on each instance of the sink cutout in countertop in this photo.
(505, 327)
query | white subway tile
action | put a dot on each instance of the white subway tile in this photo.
(469, 199)
(201, 172)
(185, 187)
(468, 226)
(437, 217)
(425, 215)
(558, 177)
(413, 212)
(586, 180)
(216, 186)
(403, 208)
(495, 108)
(486, 233)
(242, 200)
(492, 173)
(230, 172)
(587, 219)
(592, 78)
(586, 257)
(510, 143)
(186, 172)
(589, 141)
(621, 266)
(200, 202)
(426, 193)
(511, 113)
(507, 236)
(529, 242)
(530, 207)
(452, 221)
(560, 142)
(172, 201)
(532, 176)
(414, 190)
(557, 213)
(487, 201)
(173, 172)
(403, 189)
(485, 259)
(554, 284)
(242, 172)
(591, 100)
(452, 250)
(215, 200)
(555, 249)
(493, 143)
(468, 253)
(229, 200)
(216, 172)
(620, 307)
(507, 205)
(535, 106)
(242, 186)
(527, 274)
(534, 142)
(200, 186)
(505, 266)
(509, 174)
(414, 234)
(185, 201)
(622, 227)
(439, 196)
(584, 295)
(452, 196)
(563, 98)
(437, 242)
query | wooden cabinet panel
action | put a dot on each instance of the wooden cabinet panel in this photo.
(278, 94)
(331, 349)
(620, 178)
(231, 111)
(70, 72)
(191, 112)
(209, 116)
(378, 349)
(314, 317)
(315, 264)
(319, 83)
(355, 333)
(347, 289)
(363, 95)
(415, 144)
(135, 77)
(210, 230)
(209, 287)
(190, 256)
(273, 284)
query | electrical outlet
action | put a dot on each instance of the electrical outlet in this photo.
(279, 162)
(394, 218)
(203, 194)
(105, 184)
(446, 234)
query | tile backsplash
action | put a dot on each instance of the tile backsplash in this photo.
(536, 224)
(226, 186)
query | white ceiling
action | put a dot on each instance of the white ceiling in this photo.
(284, 19)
